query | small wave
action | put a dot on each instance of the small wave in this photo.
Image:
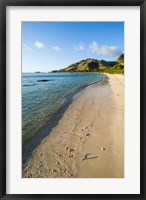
(27, 85)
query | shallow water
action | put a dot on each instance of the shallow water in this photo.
(44, 93)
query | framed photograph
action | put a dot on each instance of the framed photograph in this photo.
(72, 99)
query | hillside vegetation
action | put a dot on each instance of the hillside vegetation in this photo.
(118, 68)
(94, 65)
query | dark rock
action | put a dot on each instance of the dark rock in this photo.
(43, 80)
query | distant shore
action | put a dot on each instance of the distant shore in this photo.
(88, 141)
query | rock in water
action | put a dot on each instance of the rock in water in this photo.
(43, 80)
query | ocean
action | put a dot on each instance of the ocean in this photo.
(43, 94)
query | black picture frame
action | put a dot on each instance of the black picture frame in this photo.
(3, 127)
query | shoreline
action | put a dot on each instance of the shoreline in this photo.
(30, 145)
(88, 139)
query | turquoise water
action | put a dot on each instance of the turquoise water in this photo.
(44, 93)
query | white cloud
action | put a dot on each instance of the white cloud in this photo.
(110, 51)
(39, 45)
(94, 47)
(79, 47)
(26, 47)
(56, 48)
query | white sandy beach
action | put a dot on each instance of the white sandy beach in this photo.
(88, 141)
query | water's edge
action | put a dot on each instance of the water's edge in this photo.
(30, 146)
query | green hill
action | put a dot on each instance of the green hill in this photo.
(94, 65)
(118, 68)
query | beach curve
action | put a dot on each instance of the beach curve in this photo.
(88, 141)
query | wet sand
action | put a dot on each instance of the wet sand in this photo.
(88, 141)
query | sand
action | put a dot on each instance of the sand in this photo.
(88, 141)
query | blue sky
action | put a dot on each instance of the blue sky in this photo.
(47, 46)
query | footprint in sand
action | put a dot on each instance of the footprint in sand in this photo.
(29, 175)
(71, 150)
(102, 148)
(42, 171)
(59, 155)
(64, 171)
(84, 128)
(54, 171)
(70, 156)
(41, 166)
(69, 174)
(87, 134)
